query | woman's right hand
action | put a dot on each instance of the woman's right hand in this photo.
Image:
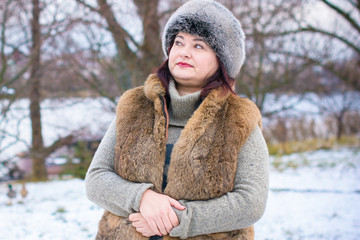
(157, 210)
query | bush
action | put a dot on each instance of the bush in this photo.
(290, 147)
(79, 164)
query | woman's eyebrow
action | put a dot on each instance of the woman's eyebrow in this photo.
(199, 40)
(195, 39)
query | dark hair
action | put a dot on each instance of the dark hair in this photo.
(219, 79)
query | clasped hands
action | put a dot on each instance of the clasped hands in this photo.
(156, 216)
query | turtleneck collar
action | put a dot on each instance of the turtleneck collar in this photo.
(181, 107)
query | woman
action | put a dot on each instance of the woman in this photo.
(185, 157)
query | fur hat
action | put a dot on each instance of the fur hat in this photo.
(216, 24)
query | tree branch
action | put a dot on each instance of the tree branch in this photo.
(57, 144)
(327, 66)
(309, 28)
(347, 16)
(87, 6)
(3, 41)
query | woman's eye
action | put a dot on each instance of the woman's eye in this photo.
(198, 46)
(178, 43)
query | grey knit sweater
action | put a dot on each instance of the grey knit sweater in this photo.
(237, 209)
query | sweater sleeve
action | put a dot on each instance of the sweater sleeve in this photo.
(237, 209)
(105, 187)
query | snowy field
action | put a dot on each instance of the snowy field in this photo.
(314, 195)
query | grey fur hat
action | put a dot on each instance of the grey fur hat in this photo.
(213, 22)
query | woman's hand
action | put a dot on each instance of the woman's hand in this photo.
(141, 225)
(157, 210)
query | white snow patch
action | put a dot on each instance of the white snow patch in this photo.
(319, 199)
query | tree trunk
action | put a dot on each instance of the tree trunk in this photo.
(38, 158)
(138, 66)
(152, 54)
(339, 120)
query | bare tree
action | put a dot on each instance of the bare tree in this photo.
(25, 54)
(266, 70)
(337, 101)
(14, 65)
(138, 58)
(340, 39)
(39, 169)
(38, 151)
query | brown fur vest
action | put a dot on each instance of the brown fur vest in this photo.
(203, 161)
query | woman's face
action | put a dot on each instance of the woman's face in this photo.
(191, 62)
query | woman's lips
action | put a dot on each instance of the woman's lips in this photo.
(183, 64)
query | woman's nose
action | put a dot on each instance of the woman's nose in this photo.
(185, 52)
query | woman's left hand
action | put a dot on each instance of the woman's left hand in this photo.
(141, 225)
(157, 209)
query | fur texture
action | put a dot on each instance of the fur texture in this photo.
(216, 24)
(203, 162)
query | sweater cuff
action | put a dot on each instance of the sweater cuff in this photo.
(143, 188)
(179, 231)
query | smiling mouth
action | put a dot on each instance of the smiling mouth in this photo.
(183, 64)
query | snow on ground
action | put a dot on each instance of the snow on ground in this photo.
(314, 195)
